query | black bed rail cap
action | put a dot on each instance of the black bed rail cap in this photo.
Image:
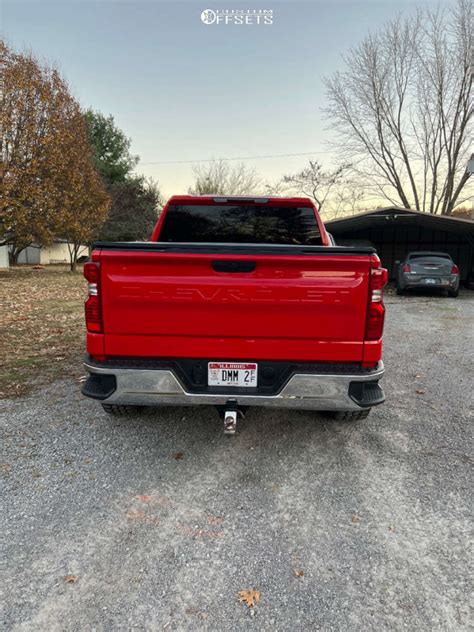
(229, 248)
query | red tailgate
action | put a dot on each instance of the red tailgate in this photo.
(288, 307)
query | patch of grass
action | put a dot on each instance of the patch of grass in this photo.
(41, 326)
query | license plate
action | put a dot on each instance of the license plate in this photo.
(241, 374)
(430, 280)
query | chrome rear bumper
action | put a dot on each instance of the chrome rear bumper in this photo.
(153, 387)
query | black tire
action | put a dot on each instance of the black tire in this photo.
(115, 409)
(453, 293)
(352, 415)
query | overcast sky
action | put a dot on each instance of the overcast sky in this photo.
(184, 90)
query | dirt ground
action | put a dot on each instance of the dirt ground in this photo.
(41, 326)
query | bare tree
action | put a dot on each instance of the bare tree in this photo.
(218, 177)
(346, 199)
(316, 182)
(275, 187)
(403, 108)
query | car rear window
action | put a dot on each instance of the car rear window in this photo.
(430, 255)
(240, 223)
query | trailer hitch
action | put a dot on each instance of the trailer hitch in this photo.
(230, 421)
(229, 414)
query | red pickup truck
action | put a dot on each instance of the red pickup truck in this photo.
(236, 302)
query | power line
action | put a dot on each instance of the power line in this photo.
(183, 162)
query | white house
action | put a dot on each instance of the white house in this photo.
(3, 257)
(58, 252)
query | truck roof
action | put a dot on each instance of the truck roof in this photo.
(223, 199)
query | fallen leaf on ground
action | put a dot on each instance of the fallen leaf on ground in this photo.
(250, 597)
(355, 518)
(70, 579)
(178, 456)
(298, 572)
(420, 391)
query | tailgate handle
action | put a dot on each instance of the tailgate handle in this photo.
(222, 265)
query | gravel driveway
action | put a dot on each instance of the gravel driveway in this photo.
(156, 522)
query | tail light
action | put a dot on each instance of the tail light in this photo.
(454, 269)
(93, 306)
(406, 268)
(376, 310)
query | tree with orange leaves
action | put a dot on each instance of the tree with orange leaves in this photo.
(79, 192)
(48, 183)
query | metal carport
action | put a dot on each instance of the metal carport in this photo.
(397, 231)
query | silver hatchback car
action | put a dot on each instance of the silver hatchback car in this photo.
(428, 270)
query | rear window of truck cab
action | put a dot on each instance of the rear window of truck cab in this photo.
(240, 223)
